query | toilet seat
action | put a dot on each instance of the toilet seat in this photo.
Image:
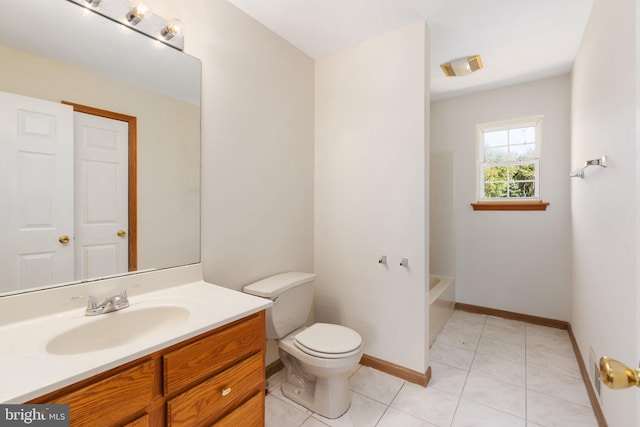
(328, 341)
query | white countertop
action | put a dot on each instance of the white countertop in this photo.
(27, 370)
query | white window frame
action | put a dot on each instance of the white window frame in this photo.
(535, 121)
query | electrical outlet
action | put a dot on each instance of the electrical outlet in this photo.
(595, 372)
(596, 380)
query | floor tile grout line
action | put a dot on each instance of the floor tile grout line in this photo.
(404, 382)
(369, 397)
(492, 357)
(382, 416)
(501, 359)
(466, 378)
(541, 393)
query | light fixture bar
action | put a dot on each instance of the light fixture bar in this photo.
(137, 16)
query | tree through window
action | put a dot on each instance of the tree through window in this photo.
(509, 160)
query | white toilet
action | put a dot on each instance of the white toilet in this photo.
(317, 358)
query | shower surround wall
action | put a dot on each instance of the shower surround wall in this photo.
(441, 214)
(371, 193)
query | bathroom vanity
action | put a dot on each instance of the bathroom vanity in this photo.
(207, 368)
(214, 378)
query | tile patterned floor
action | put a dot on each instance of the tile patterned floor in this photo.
(486, 371)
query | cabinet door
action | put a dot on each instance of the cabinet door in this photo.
(108, 401)
(217, 395)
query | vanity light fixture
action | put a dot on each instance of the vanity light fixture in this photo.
(173, 29)
(136, 14)
(462, 66)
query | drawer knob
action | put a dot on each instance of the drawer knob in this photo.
(226, 391)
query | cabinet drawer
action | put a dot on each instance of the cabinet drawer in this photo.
(249, 414)
(200, 359)
(217, 394)
(106, 402)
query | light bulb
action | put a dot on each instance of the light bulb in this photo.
(137, 12)
(173, 29)
(461, 67)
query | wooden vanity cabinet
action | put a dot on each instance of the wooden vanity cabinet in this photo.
(216, 378)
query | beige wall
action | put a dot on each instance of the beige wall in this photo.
(605, 283)
(257, 145)
(514, 261)
(168, 149)
(372, 193)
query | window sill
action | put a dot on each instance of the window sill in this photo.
(510, 206)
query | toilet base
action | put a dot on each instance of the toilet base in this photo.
(329, 397)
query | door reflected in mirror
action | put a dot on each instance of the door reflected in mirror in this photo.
(102, 66)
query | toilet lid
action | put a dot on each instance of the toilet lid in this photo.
(325, 338)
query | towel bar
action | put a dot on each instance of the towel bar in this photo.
(579, 173)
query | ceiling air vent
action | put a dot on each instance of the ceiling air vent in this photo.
(462, 66)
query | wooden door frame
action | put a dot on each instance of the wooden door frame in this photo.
(133, 168)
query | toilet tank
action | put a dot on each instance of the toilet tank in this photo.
(292, 295)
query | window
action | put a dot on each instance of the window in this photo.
(509, 160)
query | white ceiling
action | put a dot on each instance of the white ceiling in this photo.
(519, 40)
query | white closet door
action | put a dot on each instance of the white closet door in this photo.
(101, 196)
(36, 189)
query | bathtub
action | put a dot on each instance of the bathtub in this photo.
(441, 303)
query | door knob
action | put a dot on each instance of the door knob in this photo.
(64, 239)
(122, 233)
(616, 374)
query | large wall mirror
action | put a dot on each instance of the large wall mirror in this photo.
(57, 54)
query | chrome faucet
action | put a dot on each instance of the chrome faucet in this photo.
(114, 303)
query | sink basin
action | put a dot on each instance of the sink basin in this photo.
(116, 328)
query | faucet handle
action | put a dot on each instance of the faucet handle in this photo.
(120, 301)
(93, 307)
(92, 303)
